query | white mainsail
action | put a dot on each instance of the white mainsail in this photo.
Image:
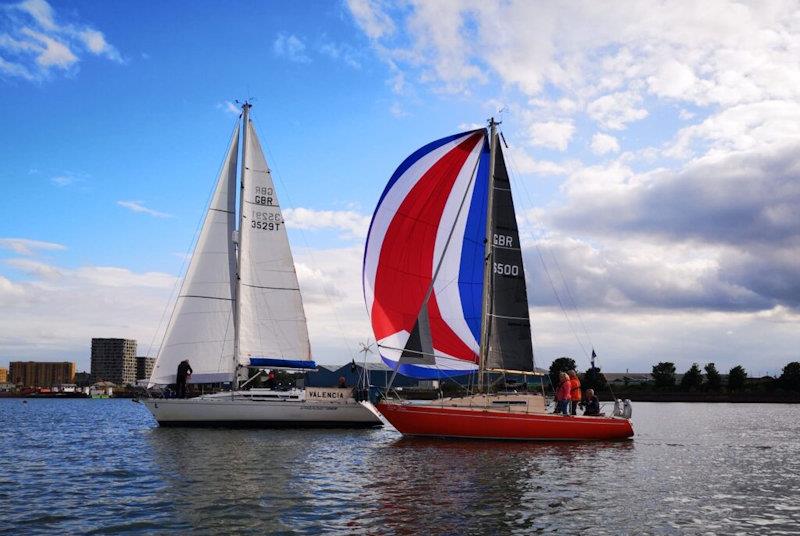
(272, 323)
(201, 327)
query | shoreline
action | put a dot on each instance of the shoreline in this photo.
(713, 398)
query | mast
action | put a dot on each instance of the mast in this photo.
(488, 257)
(237, 301)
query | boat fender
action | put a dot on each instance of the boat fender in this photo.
(617, 408)
(627, 409)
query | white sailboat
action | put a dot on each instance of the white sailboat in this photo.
(239, 308)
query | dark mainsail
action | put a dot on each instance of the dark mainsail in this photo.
(509, 326)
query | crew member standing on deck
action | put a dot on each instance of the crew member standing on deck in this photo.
(563, 394)
(575, 391)
(184, 371)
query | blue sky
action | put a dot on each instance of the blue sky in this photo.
(652, 149)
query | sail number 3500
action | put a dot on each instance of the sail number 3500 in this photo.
(506, 269)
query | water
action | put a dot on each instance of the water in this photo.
(103, 467)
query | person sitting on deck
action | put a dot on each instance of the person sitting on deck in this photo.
(563, 394)
(271, 380)
(592, 404)
(184, 371)
(575, 391)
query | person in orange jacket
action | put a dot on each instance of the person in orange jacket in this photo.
(575, 391)
(563, 394)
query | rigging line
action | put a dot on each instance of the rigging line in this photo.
(560, 303)
(228, 324)
(572, 299)
(178, 286)
(520, 183)
(273, 167)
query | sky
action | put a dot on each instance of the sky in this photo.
(654, 149)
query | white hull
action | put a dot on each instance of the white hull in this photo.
(266, 408)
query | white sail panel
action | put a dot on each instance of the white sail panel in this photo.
(272, 323)
(201, 326)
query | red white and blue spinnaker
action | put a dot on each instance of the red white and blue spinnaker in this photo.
(432, 214)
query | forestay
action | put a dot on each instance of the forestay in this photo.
(201, 327)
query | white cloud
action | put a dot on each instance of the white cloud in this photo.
(607, 60)
(616, 110)
(62, 180)
(25, 246)
(35, 268)
(341, 52)
(672, 79)
(604, 143)
(53, 53)
(520, 162)
(740, 128)
(290, 47)
(35, 42)
(41, 11)
(397, 110)
(96, 42)
(551, 134)
(229, 107)
(137, 206)
(58, 310)
(351, 223)
(330, 281)
(371, 18)
(110, 276)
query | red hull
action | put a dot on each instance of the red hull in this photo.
(431, 420)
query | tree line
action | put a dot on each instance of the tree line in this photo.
(665, 378)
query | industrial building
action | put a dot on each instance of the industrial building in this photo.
(379, 375)
(41, 373)
(114, 360)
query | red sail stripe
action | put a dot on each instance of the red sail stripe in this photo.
(405, 264)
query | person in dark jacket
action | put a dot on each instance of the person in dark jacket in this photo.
(592, 404)
(184, 371)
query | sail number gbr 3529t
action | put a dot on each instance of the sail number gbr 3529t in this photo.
(265, 220)
(505, 268)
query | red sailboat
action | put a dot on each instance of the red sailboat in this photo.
(445, 289)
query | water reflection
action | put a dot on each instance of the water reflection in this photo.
(283, 480)
(101, 466)
(486, 486)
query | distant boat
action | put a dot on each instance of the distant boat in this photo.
(240, 308)
(444, 285)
